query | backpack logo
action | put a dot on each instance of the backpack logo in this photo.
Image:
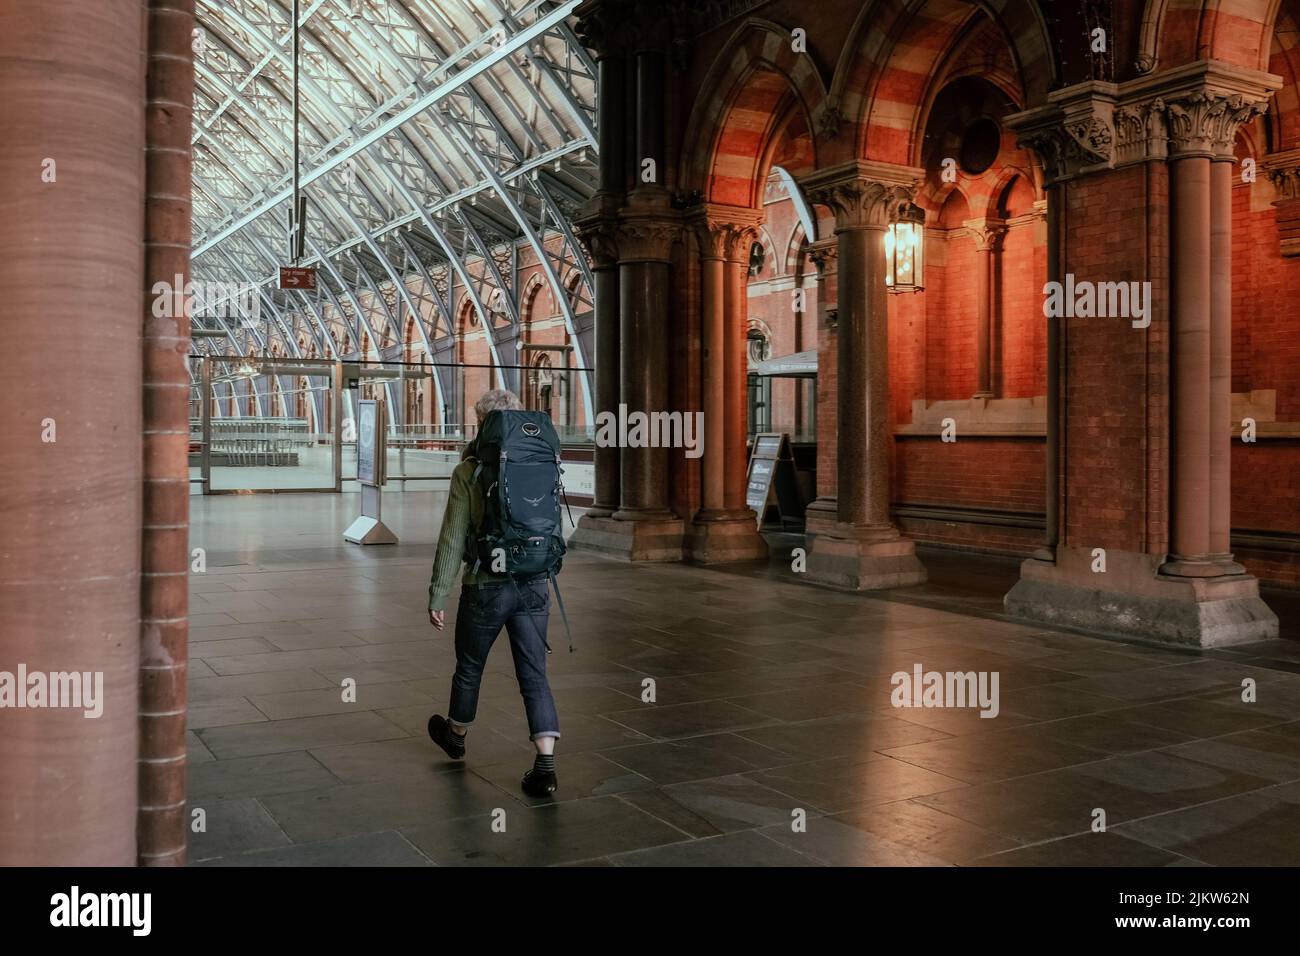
(535, 501)
(530, 429)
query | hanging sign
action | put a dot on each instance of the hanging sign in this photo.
(298, 277)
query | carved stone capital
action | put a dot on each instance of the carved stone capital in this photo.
(599, 238)
(824, 254)
(1141, 131)
(1192, 110)
(645, 239)
(603, 27)
(1283, 170)
(725, 232)
(987, 233)
(861, 194)
(1073, 134)
(1205, 123)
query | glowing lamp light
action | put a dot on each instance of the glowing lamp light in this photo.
(905, 251)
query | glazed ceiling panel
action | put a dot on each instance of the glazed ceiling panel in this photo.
(433, 133)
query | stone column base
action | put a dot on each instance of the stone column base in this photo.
(1131, 598)
(631, 539)
(821, 516)
(725, 538)
(864, 560)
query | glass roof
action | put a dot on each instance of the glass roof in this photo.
(437, 139)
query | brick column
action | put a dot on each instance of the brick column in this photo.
(821, 513)
(988, 235)
(1144, 496)
(72, 121)
(597, 235)
(863, 550)
(164, 594)
(725, 529)
(1222, 172)
(1202, 130)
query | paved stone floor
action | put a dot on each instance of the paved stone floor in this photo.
(771, 698)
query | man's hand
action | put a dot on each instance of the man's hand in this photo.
(437, 619)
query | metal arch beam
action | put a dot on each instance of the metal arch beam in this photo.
(255, 71)
(228, 160)
(357, 227)
(540, 251)
(801, 207)
(291, 342)
(340, 208)
(438, 370)
(544, 67)
(452, 257)
(323, 339)
(377, 297)
(454, 127)
(422, 103)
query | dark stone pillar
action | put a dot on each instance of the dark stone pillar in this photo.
(863, 550)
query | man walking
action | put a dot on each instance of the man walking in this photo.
(491, 598)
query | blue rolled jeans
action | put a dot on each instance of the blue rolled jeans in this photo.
(523, 609)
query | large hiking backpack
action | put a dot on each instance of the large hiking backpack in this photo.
(518, 470)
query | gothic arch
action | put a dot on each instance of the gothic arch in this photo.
(756, 75)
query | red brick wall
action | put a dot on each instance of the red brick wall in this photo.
(1023, 354)
(996, 474)
(1106, 368)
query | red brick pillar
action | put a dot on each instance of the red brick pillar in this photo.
(725, 529)
(1221, 175)
(988, 235)
(1190, 314)
(713, 244)
(822, 512)
(72, 122)
(1143, 434)
(863, 550)
(736, 368)
(164, 603)
(596, 225)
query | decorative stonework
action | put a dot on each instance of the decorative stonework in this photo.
(598, 235)
(646, 240)
(725, 232)
(1204, 123)
(1072, 136)
(1193, 110)
(1141, 132)
(987, 233)
(830, 119)
(863, 194)
(1283, 170)
(823, 254)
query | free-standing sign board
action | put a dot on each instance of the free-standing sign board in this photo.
(370, 432)
(369, 528)
(771, 477)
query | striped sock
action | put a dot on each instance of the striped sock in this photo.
(545, 763)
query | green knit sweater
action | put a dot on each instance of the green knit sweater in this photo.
(462, 518)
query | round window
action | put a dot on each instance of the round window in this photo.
(980, 143)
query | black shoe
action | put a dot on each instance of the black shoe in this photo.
(540, 783)
(440, 733)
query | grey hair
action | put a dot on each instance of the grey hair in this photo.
(501, 398)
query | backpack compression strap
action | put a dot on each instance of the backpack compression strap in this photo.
(560, 601)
